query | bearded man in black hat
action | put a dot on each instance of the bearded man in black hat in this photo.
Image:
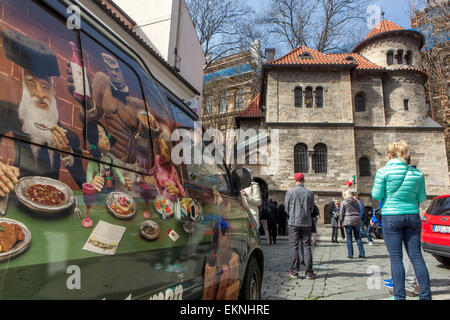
(36, 117)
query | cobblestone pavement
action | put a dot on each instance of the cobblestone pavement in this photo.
(340, 278)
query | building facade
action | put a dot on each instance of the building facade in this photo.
(336, 113)
(229, 86)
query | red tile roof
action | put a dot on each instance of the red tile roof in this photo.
(319, 58)
(363, 63)
(253, 110)
(316, 57)
(383, 26)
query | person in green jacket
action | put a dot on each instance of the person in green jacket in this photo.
(401, 188)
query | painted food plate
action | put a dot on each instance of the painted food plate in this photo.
(15, 238)
(121, 205)
(44, 195)
(164, 206)
(150, 230)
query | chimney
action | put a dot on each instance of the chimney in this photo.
(270, 54)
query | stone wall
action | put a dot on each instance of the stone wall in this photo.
(337, 97)
(371, 87)
(401, 85)
(427, 149)
(376, 52)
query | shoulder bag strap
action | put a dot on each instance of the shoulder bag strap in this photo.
(400, 184)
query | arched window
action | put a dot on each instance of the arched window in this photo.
(400, 56)
(320, 158)
(239, 99)
(364, 167)
(309, 97)
(301, 158)
(319, 97)
(390, 57)
(409, 58)
(360, 102)
(298, 97)
(305, 55)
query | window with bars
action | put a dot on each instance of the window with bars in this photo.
(360, 103)
(400, 57)
(301, 158)
(364, 167)
(309, 97)
(320, 159)
(298, 97)
(319, 97)
(409, 58)
(390, 57)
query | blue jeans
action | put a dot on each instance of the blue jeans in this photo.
(365, 233)
(355, 231)
(406, 229)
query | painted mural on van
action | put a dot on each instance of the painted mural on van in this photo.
(87, 182)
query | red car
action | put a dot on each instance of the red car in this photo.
(436, 229)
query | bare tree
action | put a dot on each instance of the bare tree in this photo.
(324, 25)
(223, 26)
(339, 23)
(433, 20)
(287, 20)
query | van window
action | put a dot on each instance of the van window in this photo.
(117, 104)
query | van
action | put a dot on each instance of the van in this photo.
(92, 205)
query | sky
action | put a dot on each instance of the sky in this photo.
(395, 10)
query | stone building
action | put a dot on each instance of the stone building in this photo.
(336, 114)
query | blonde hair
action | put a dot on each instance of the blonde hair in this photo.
(347, 194)
(398, 149)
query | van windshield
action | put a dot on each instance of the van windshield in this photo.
(440, 207)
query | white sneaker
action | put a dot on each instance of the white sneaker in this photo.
(370, 243)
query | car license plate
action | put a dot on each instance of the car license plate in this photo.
(441, 229)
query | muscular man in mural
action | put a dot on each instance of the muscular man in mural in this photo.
(36, 117)
(111, 99)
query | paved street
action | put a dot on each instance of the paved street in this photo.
(339, 278)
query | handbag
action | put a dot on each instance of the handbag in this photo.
(378, 210)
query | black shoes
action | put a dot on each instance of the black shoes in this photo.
(362, 257)
(311, 276)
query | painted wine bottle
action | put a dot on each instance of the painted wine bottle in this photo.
(77, 73)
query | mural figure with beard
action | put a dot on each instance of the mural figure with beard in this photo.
(36, 108)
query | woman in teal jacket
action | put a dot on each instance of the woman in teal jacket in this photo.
(401, 188)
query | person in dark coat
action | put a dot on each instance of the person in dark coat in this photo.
(299, 202)
(331, 209)
(334, 216)
(349, 218)
(282, 220)
(272, 221)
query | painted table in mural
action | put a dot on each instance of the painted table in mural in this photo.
(56, 253)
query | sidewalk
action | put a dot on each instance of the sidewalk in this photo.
(339, 278)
